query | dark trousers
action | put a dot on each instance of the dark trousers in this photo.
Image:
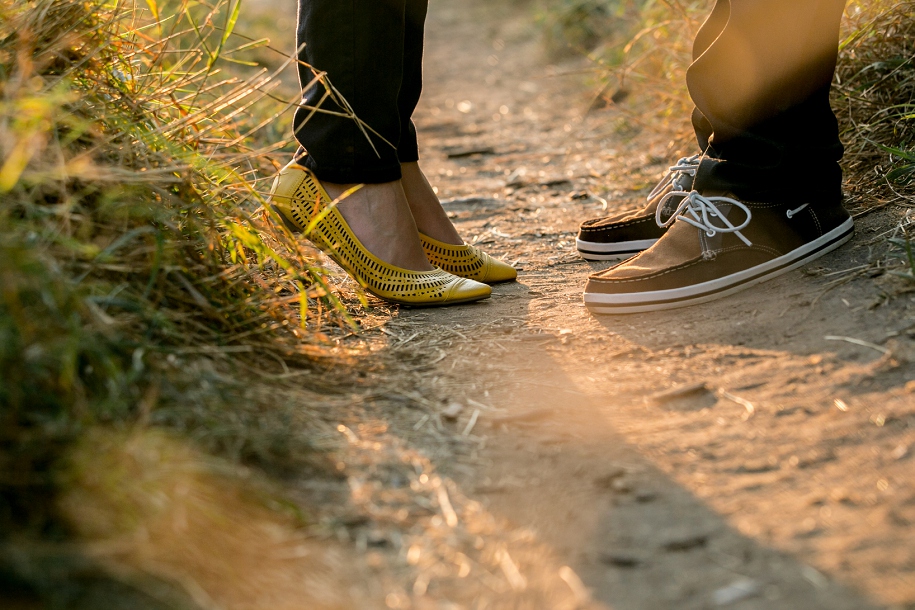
(760, 80)
(371, 52)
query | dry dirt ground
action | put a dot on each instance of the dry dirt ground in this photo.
(523, 453)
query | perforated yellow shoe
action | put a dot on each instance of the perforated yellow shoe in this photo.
(467, 261)
(298, 197)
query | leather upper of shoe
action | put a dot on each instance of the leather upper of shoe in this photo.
(304, 204)
(467, 261)
(633, 225)
(625, 226)
(690, 254)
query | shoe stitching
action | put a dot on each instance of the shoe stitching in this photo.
(647, 277)
(762, 204)
(816, 220)
(625, 223)
(677, 268)
(759, 204)
(767, 205)
(772, 251)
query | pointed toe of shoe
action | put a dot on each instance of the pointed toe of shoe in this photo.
(463, 290)
(498, 272)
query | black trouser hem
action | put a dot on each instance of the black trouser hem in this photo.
(352, 175)
(371, 50)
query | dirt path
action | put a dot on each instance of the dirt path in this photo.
(784, 481)
(521, 453)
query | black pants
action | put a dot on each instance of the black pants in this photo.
(760, 79)
(371, 51)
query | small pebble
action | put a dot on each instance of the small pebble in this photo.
(607, 479)
(377, 540)
(683, 391)
(453, 411)
(645, 496)
(736, 591)
(621, 486)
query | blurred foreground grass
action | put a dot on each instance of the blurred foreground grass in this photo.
(141, 281)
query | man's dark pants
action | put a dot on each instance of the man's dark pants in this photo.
(760, 80)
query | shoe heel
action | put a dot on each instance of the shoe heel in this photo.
(467, 261)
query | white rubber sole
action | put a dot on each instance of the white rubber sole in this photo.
(673, 298)
(596, 251)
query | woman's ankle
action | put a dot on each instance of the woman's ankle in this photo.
(431, 218)
(380, 217)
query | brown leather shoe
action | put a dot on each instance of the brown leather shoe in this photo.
(717, 245)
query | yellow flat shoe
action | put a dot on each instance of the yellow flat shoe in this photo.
(467, 261)
(300, 200)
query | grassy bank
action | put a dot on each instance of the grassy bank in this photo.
(142, 284)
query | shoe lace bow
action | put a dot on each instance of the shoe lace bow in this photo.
(703, 213)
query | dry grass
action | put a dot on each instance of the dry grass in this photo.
(873, 97)
(146, 505)
(142, 282)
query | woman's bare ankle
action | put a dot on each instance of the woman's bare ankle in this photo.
(380, 217)
(427, 210)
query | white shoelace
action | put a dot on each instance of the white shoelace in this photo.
(685, 166)
(696, 209)
(700, 211)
